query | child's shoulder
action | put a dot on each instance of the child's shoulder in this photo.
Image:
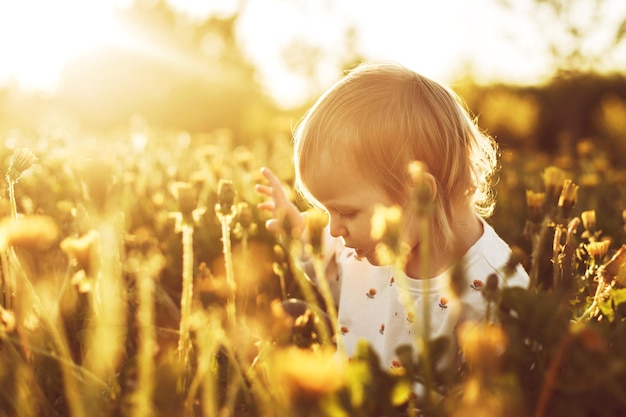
(489, 254)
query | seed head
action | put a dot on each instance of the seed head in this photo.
(186, 198)
(22, 159)
(226, 196)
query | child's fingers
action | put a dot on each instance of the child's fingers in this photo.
(267, 206)
(277, 189)
(273, 225)
(264, 189)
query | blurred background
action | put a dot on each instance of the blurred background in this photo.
(545, 77)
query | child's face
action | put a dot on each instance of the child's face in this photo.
(349, 201)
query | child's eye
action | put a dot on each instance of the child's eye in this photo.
(348, 215)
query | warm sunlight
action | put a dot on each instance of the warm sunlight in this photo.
(37, 38)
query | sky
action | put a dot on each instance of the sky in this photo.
(436, 38)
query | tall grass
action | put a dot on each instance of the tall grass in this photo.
(124, 295)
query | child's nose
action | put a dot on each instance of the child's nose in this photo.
(336, 227)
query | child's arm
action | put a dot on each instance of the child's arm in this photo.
(283, 210)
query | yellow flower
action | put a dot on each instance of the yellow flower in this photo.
(80, 249)
(568, 198)
(598, 250)
(483, 345)
(308, 373)
(386, 223)
(589, 220)
(316, 221)
(386, 226)
(35, 231)
(536, 205)
(553, 179)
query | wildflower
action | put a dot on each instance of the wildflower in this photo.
(598, 250)
(387, 228)
(553, 179)
(22, 159)
(482, 345)
(305, 373)
(421, 192)
(226, 197)
(567, 199)
(517, 257)
(33, 231)
(316, 221)
(186, 198)
(536, 206)
(589, 220)
(616, 266)
(490, 290)
(80, 249)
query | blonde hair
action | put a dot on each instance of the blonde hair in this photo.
(382, 116)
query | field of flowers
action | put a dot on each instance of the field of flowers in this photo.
(138, 280)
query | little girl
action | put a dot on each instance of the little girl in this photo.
(352, 153)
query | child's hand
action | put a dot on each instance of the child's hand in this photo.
(283, 210)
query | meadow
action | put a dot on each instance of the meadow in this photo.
(138, 280)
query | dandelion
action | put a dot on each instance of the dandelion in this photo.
(307, 375)
(567, 199)
(588, 218)
(316, 221)
(387, 227)
(421, 192)
(598, 249)
(22, 159)
(535, 202)
(482, 346)
(553, 179)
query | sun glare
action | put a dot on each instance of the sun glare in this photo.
(38, 37)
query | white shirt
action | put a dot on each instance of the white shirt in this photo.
(370, 307)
